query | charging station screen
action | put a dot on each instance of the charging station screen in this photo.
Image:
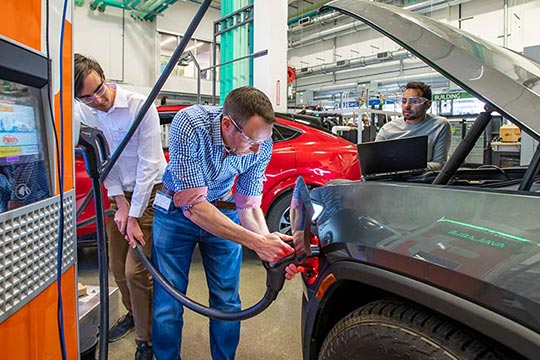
(18, 133)
(24, 169)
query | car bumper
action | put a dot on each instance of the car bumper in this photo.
(310, 306)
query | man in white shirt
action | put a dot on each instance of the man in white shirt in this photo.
(131, 186)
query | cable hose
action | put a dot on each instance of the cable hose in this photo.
(274, 282)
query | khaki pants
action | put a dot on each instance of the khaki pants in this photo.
(131, 276)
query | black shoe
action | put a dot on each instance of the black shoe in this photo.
(144, 351)
(121, 328)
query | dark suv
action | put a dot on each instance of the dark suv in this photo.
(440, 266)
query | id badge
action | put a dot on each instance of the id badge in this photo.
(163, 202)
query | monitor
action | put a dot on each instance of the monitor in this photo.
(25, 175)
(20, 140)
(393, 157)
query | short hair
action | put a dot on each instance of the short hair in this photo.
(82, 67)
(245, 102)
(423, 87)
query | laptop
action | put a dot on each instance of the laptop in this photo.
(393, 158)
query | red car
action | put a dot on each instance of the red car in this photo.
(299, 149)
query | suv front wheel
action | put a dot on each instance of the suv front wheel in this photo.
(397, 329)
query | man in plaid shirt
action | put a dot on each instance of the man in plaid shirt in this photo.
(209, 148)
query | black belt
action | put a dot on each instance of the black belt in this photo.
(220, 204)
(226, 205)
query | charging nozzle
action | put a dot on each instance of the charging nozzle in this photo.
(275, 274)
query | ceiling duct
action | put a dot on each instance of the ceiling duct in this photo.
(354, 26)
(325, 17)
(321, 20)
(434, 79)
(334, 89)
(354, 63)
(390, 85)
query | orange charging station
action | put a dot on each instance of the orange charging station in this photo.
(38, 318)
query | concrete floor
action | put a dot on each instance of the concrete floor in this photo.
(273, 335)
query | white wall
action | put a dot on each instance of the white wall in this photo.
(176, 19)
(102, 36)
(126, 52)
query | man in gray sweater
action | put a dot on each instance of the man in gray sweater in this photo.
(415, 102)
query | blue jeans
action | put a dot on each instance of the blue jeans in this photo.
(174, 238)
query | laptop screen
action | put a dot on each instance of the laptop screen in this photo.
(396, 156)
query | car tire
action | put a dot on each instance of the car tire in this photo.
(398, 329)
(278, 217)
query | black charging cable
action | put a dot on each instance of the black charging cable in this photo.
(275, 278)
(95, 150)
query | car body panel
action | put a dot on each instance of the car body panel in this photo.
(461, 231)
(469, 250)
(280, 174)
(507, 80)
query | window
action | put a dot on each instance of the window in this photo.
(283, 133)
(167, 45)
(201, 50)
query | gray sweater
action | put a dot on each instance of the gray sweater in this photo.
(435, 127)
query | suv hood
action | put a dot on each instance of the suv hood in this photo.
(506, 80)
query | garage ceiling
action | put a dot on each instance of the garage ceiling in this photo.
(298, 7)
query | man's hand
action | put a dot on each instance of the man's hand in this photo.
(272, 248)
(284, 237)
(292, 270)
(121, 215)
(134, 232)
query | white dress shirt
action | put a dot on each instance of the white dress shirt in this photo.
(142, 163)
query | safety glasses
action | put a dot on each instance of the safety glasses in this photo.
(100, 91)
(413, 100)
(245, 138)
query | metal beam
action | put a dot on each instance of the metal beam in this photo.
(348, 64)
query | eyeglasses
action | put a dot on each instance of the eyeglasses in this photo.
(413, 100)
(246, 138)
(89, 99)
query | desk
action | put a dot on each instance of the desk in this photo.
(89, 305)
(506, 154)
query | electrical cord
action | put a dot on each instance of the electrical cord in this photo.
(95, 151)
(60, 168)
(61, 184)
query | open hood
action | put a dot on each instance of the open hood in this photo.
(506, 80)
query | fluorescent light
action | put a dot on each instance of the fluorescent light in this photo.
(192, 47)
(167, 41)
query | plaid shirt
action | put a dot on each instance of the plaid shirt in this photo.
(197, 157)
